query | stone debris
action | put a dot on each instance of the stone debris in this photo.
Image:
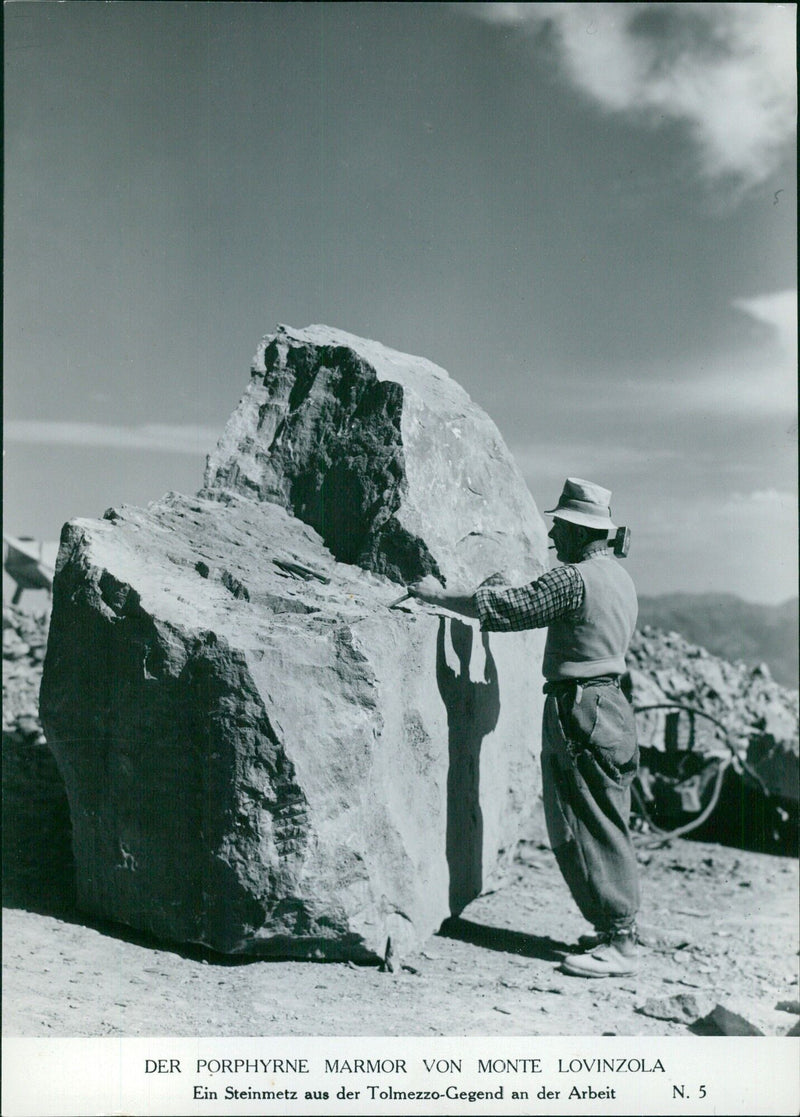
(661, 941)
(24, 648)
(789, 1006)
(722, 1022)
(683, 1008)
(704, 1015)
(36, 852)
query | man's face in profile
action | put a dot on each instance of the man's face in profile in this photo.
(564, 538)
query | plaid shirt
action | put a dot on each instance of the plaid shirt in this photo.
(558, 593)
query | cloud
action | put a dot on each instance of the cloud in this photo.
(765, 383)
(724, 70)
(758, 379)
(170, 438)
(777, 311)
(513, 15)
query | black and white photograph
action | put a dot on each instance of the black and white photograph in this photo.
(400, 580)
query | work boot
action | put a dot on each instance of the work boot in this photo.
(616, 956)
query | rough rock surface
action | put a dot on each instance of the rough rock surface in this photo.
(384, 455)
(259, 755)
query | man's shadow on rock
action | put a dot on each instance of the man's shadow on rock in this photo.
(472, 712)
(473, 709)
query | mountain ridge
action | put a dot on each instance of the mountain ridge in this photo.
(730, 627)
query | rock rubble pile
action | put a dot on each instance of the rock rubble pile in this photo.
(24, 648)
(37, 856)
(760, 716)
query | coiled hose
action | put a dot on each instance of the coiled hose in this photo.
(724, 764)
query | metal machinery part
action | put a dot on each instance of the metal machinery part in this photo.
(685, 753)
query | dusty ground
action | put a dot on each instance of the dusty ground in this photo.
(720, 924)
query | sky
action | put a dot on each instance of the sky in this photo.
(586, 213)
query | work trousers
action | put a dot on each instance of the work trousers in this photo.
(589, 760)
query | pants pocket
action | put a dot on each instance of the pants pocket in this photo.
(613, 737)
(579, 716)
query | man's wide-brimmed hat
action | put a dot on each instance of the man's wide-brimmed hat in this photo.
(582, 502)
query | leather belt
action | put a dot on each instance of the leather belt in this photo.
(559, 686)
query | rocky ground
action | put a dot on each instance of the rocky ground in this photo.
(719, 924)
(719, 927)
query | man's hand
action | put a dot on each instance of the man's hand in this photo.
(430, 591)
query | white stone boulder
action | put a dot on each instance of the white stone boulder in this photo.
(259, 754)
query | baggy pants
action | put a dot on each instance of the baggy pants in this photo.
(589, 760)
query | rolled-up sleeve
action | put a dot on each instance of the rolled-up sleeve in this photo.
(556, 594)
